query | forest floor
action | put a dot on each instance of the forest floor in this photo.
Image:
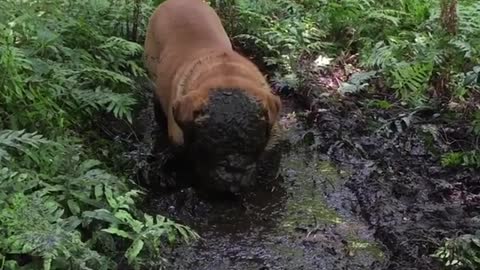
(361, 187)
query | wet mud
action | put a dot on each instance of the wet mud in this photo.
(403, 193)
(306, 220)
(359, 188)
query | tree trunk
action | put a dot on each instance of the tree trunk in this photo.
(448, 16)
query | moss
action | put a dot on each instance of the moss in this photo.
(309, 207)
(356, 246)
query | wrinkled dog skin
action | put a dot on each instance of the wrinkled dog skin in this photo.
(218, 105)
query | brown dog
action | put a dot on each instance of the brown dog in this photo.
(189, 56)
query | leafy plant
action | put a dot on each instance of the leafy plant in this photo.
(49, 196)
(410, 81)
(357, 82)
(61, 63)
(380, 104)
(282, 30)
(429, 58)
(461, 252)
(469, 158)
(56, 72)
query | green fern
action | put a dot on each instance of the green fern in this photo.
(466, 159)
(470, 16)
(462, 252)
(101, 75)
(93, 100)
(410, 81)
(34, 225)
(381, 56)
(283, 30)
(464, 46)
(122, 46)
(19, 140)
(59, 65)
(42, 211)
(385, 16)
(42, 72)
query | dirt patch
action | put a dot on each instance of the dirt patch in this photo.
(360, 188)
(404, 193)
(307, 220)
(410, 200)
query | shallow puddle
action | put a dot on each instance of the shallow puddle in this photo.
(307, 221)
(342, 182)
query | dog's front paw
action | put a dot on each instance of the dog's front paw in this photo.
(175, 134)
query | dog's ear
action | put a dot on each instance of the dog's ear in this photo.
(187, 108)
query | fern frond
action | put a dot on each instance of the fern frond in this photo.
(410, 81)
(388, 16)
(118, 104)
(464, 46)
(19, 140)
(12, 181)
(122, 46)
(32, 226)
(103, 75)
(469, 15)
(381, 56)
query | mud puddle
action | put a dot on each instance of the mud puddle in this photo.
(404, 193)
(360, 188)
(309, 219)
(303, 223)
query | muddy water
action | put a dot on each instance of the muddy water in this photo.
(360, 188)
(307, 220)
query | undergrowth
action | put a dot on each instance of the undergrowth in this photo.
(427, 52)
(461, 252)
(62, 62)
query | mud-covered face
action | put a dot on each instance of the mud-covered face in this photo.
(227, 139)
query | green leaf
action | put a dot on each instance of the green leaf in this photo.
(103, 215)
(133, 251)
(129, 220)
(47, 263)
(89, 164)
(183, 232)
(476, 241)
(111, 200)
(119, 232)
(74, 207)
(171, 237)
(98, 191)
(148, 220)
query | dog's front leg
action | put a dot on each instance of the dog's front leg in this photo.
(175, 133)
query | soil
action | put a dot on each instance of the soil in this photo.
(360, 188)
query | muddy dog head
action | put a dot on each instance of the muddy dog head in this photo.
(226, 138)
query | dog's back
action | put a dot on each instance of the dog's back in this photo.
(184, 21)
(180, 31)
